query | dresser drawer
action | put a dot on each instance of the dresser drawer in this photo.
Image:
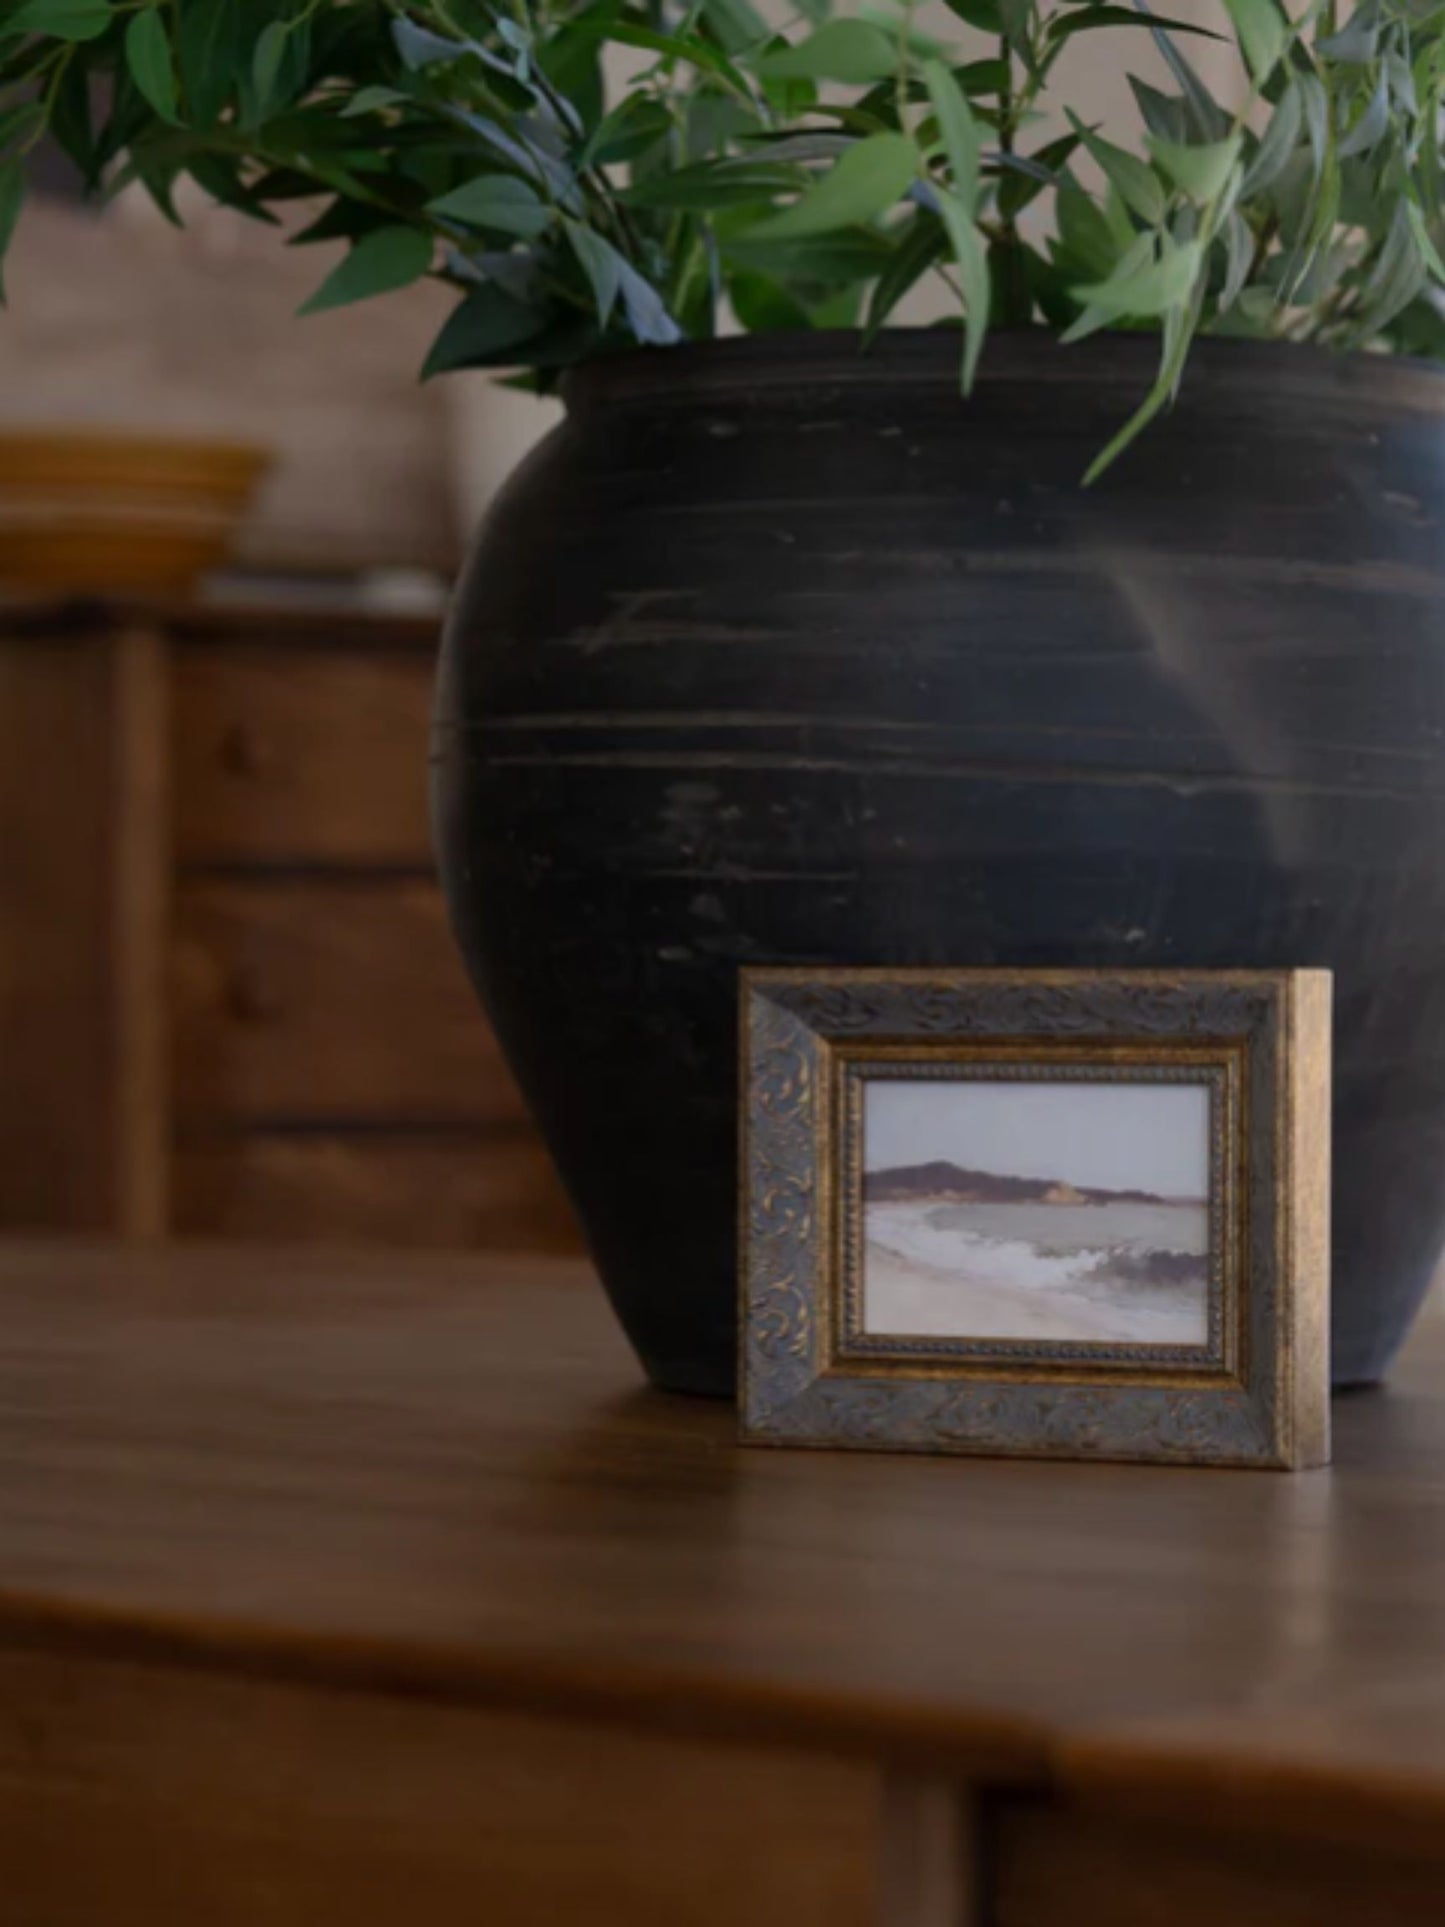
(301, 756)
(146, 1796)
(337, 1000)
(1090, 1870)
(492, 1191)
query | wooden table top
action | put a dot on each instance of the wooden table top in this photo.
(441, 1476)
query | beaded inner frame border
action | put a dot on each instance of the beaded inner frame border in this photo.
(1254, 1394)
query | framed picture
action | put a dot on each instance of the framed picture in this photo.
(1051, 1213)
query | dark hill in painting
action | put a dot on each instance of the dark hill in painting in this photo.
(951, 1183)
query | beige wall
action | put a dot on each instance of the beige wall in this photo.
(119, 321)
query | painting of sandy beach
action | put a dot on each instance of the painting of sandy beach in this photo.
(1075, 1211)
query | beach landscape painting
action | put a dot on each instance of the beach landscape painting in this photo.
(1071, 1211)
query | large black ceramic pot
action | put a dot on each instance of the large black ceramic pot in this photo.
(774, 653)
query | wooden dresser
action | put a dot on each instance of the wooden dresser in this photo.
(229, 1001)
(370, 1590)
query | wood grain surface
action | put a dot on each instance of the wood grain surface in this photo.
(440, 1478)
(293, 756)
(139, 811)
(461, 1189)
(341, 999)
(136, 1796)
(1060, 1869)
(81, 956)
(229, 999)
(339, 622)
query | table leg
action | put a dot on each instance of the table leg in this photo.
(928, 1864)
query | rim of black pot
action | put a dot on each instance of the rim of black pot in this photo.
(743, 367)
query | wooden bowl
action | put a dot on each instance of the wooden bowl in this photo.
(118, 511)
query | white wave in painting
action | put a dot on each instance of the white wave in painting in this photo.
(1123, 1271)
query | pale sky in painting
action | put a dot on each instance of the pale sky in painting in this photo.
(1117, 1137)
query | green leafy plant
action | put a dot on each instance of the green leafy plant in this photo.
(807, 176)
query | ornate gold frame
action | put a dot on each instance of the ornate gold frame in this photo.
(1257, 1391)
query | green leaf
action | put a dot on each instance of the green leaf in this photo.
(893, 22)
(1238, 259)
(71, 123)
(12, 198)
(764, 306)
(571, 60)
(370, 100)
(1049, 286)
(614, 279)
(1017, 17)
(1150, 289)
(983, 14)
(279, 72)
(1200, 170)
(420, 48)
(72, 20)
(222, 178)
(1314, 238)
(1428, 251)
(341, 220)
(498, 201)
(21, 122)
(851, 255)
(392, 257)
(1018, 189)
(1167, 115)
(152, 68)
(836, 310)
(602, 265)
(266, 64)
(984, 77)
(687, 48)
(1276, 146)
(866, 181)
(1315, 105)
(1396, 279)
(1121, 221)
(1357, 42)
(647, 314)
(527, 156)
(1083, 229)
(1095, 315)
(972, 263)
(1011, 284)
(1207, 119)
(1136, 181)
(215, 41)
(1178, 333)
(1087, 19)
(737, 23)
(712, 184)
(919, 249)
(851, 50)
(634, 125)
(1372, 125)
(489, 325)
(1262, 33)
(957, 130)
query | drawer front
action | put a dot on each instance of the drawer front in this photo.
(492, 1191)
(1088, 1870)
(284, 755)
(136, 1794)
(340, 1000)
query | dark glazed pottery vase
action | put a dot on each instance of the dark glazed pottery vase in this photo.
(773, 653)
